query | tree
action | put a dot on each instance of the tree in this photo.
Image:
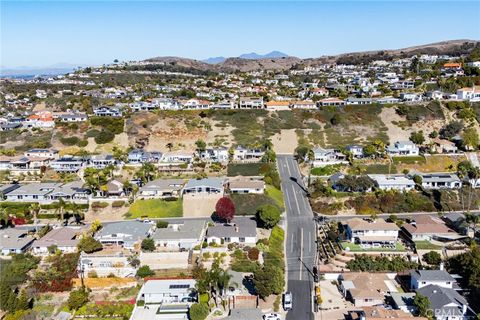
(35, 209)
(417, 137)
(201, 145)
(95, 226)
(451, 129)
(133, 260)
(369, 150)
(418, 179)
(470, 139)
(473, 221)
(77, 298)
(355, 183)
(269, 156)
(422, 304)
(88, 244)
(432, 258)
(225, 209)
(169, 146)
(268, 215)
(269, 280)
(198, 311)
(144, 271)
(161, 224)
(148, 244)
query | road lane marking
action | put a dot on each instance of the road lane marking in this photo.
(296, 200)
(291, 243)
(309, 242)
(301, 252)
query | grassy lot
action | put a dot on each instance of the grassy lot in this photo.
(155, 208)
(409, 160)
(435, 163)
(327, 170)
(426, 245)
(244, 169)
(276, 195)
(356, 248)
(378, 168)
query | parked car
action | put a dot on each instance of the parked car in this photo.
(271, 316)
(287, 301)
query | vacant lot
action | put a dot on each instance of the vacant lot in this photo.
(247, 169)
(155, 208)
(434, 163)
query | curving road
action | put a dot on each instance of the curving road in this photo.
(300, 246)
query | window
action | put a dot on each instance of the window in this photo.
(179, 286)
(241, 239)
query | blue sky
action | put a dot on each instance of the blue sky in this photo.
(93, 32)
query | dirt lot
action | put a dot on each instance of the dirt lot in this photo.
(285, 142)
(199, 205)
(164, 260)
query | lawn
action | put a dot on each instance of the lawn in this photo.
(327, 170)
(356, 248)
(426, 245)
(155, 208)
(244, 169)
(276, 195)
(378, 168)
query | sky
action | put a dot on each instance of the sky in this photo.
(45, 33)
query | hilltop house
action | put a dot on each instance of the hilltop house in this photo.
(322, 157)
(214, 155)
(68, 164)
(162, 188)
(403, 148)
(441, 181)
(244, 154)
(107, 112)
(140, 156)
(251, 103)
(369, 234)
(471, 94)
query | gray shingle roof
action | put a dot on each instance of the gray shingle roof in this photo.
(240, 227)
(440, 297)
(190, 229)
(433, 275)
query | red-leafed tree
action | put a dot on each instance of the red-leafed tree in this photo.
(225, 209)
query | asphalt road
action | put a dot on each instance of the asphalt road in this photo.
(300, 248)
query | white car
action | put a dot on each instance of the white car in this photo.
(271, 316)
(287, 301)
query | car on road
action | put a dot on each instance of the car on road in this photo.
(271, 316)
(287, 301)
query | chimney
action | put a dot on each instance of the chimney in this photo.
(464, 309)
(441, 267)
(236, 229)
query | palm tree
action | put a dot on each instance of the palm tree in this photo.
(35, 209)
(61, 208)
(169, 146)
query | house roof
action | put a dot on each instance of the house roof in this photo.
(403, 298)
(170, 286)
(164, 184)
(398, 180)
(207, 182)
(444, 298)
(440, 177)
(428, 225)
(432, 275)
(242, 183)
(14, 239)
(61, 237)
(239, 227)
(133, 228)
(378, 224)
(367, 285)
(188, 229)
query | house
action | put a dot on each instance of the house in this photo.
(303, 104)
(393, 182)
(180, 235)
(68, 164)
(365, 289)
(371, 234)
(114, 189)
(444, 146)
(64, 239)
(41, 119)
(331, 102)
(72, 117)
(471, 94)
(245, 154)
(47, 192)
(441, 181)
(223, 105)
(177, 157)
(246, 186)
(323, 157)
(446, 303)
(355, 150)
(403, 301)
(205, 186)
(423, 278)
(102, 161)
(155, 291)
(277, 105)
(14, 240)
(6, 188)
(110, 260)
(196, 104)
(381, 313)
(162, 188)
(251, 103)
(140, 156)
(143, 106)
(358, 101)
(124, 233)
(426, 228)
(403, 148)
(166, 104)
(387, 100)
(240, 230)
(107, 112)
(215, 155)
(411, 97)
(41, 153)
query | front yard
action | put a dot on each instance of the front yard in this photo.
(353, 247)
(155, 208)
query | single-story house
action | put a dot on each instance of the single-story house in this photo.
(166, 291)
(205, 186)
(180, 235)
(441, 181)
(64, 239)
(124, 233)
(110, 260)
(162, 188)
(429, 228)
(365, 289)
(14, 240)
(244, 185)
(49, 192)
(240, 230)
(447, 303)
(393, 182)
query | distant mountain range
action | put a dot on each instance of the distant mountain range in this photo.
(250, 56)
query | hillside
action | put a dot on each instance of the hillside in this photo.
(452, 47)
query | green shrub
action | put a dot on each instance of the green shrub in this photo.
(99, 205)
(105, 136)
(118, 203)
